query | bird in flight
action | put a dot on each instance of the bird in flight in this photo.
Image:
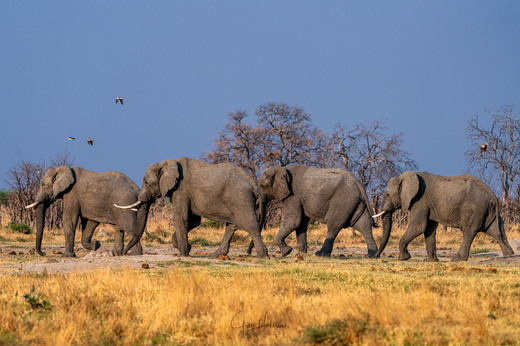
(120, 99)
(71, 138)
(90, 141)
(483, 148)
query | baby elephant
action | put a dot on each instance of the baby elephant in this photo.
(462, 202)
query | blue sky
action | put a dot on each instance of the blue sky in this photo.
(424, 67)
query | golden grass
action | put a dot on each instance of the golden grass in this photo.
(360, 302)
(270, 302)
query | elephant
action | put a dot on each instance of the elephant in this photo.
(330, 196)
(89, 196)
(463, 201)
(219, 192)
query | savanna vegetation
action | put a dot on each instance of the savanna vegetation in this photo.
(300, 299)
(347, 299)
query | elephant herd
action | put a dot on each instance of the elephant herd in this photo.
(227, 194)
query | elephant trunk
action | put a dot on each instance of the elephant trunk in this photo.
(40, 221)
(387, 227)
(142, 216)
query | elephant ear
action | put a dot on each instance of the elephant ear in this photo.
(169, 177)
(62, 180)
(281, 184)
(409, 189)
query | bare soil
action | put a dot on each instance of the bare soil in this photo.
(21, 258)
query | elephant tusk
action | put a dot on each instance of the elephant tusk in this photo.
(378, 215)
(30, 206)
(128, 206)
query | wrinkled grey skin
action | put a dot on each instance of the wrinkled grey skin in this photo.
(89, 197)
(196, 189)
(330, 196)
(462, 202)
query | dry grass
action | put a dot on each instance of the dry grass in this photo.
(272, 302)
(362, 302)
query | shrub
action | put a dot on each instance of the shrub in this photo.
(19, 227)
(209, 224)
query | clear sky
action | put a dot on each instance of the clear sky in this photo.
(424, 67)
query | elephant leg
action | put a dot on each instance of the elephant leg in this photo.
(301, 234)
(70, 221)
(181, 236)
(223, 249)
(120, 243)
(416, 226)
(496, 231)
(193, 222)
(261, 249)
(328, 244)
(364, 226)
(88, 227)
(467, 240)
(431, 246)
(136, 250)
(291, 220)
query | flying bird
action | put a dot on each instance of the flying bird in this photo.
(71, 138)
(90, 141)
(483, 148)
(120, 99)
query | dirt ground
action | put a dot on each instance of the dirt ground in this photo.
(21, 258)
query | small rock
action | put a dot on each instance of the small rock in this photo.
(102, 252)
(21, 253)
(145, 266)
(342, 256)
(299, 257)
(32, 252)
(56, 252)
(515, 244)
(12, 253)
(224, 258)
(240, 259)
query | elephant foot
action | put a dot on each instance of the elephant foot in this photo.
(263, 255)
(69, 254)
(431, 260)
(404, 256)
(93, 246)
(135, 252)
(117, 252)
(372, 253)
(41, 253)
(322, 253)
(217, 254)
(285, 250)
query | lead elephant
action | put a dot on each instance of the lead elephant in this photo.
(462, 202)
(219, 192)
(88, 196)
(330, 196)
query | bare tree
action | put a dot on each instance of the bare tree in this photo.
(371, 155)
(238, 143)
(497, 162)
(23, 180)
(284, 135)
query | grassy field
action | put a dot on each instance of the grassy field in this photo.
(305, 300)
